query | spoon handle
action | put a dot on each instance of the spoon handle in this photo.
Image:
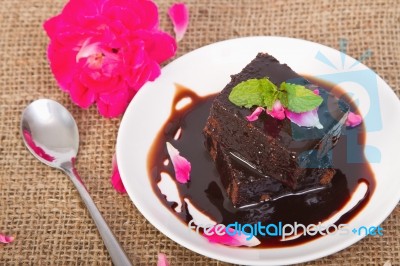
(117, 254)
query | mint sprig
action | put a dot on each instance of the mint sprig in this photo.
(262, 92)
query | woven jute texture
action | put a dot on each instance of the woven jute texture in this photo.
(40, 206)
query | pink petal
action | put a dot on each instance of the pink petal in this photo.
(306, 119)
(162, 260)
(81, 95)
(133, 14)
(160, 46)
(97, 81)
(316, 91)
(148, 72)
(113, 104)
(218, 234)
(116, 178)
(75, 9)
(88, 49)
(353, 120)
(179, 14)
(255, 114)
(62, 63)
(182, 166)
(277, 111)
(6, 239)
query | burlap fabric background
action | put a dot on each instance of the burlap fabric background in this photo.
(40, 206)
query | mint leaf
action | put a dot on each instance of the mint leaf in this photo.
(272, 92)
(283, 97)
(270, 100)
(253, 92)
(299, 98)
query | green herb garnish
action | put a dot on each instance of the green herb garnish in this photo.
(262, 92)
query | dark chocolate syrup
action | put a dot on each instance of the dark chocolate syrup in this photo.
(206, 192)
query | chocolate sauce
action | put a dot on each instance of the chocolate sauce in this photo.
(206, 192)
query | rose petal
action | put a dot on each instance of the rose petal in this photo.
(6, 239)
(162, 260)
(81, 95)
(116, 177)
(255, 114)
(353, 120)
(179, 14)
(182, 166)
(277, 111)
(148, 72)
(88, 49)
(113, 104)
(63, 64)
(133, 14)
(306, 119)
(234, 238)
(159, 45)
(79, 9)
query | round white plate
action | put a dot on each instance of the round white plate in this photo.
(207, 70)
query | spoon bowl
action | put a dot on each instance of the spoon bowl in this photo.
(50, 133)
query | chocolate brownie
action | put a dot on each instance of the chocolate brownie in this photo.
(278, 149)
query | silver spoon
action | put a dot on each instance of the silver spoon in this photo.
(51, 135)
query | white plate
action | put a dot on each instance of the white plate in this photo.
(207, 70)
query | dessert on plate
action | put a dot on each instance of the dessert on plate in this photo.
(275, 140)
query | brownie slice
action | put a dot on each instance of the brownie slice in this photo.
(275, 148)
(243, 184)
(246, 186)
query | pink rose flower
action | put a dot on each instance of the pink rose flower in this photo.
(103, 51)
